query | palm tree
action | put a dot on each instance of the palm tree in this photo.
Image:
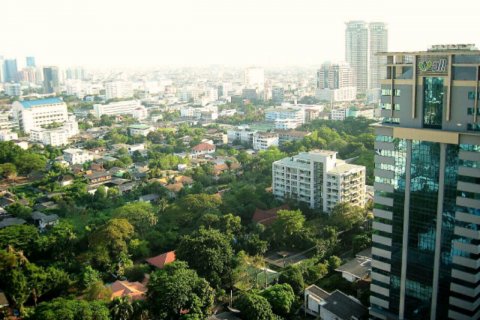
(121, 308)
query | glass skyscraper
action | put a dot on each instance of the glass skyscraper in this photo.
(426, 239)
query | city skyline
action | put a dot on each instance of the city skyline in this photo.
(187, 33)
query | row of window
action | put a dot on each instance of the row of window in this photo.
(388, 92)
(391, 120)
(471, 95)
(470, 111)
(388, 106)
(473, 126)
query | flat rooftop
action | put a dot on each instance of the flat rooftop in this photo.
(40, 102)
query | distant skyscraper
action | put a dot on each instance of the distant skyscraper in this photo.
(335, 82)
(356, 52)
(2, 69)
(30, 62)
(50, 79)
(378, 41)
(10, 70)
(426, 227)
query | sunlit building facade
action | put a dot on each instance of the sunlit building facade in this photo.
(426, 238)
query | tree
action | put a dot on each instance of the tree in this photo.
(74, 309)
(201, 203)
(121, 308)
(333, 263)
(20, 211)
(110, 244)
(28, 162)
(20, 237)
(281, 297)
(208, 252)
(8, 170)
(344, 216)
(287, 228)
(176, 288)
(140, 214)
(97, 291)
(254, 307)
(293, 276)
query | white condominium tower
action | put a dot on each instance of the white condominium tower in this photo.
(378, 43)
(255, 78)
(356, 52)
(319, 179)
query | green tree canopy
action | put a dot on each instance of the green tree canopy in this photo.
(281, 297)
(254, 307)
(176, 289)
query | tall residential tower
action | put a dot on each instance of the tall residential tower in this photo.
(378, 42)
(356, 52)
(426, 238)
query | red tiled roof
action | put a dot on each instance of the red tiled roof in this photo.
(266, 217)
(161, 260)
(203, 147)
(133, 290)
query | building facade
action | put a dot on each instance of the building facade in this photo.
(51, 80)
(118, 90)
(319, 179)
(13, 89)
(336, 82)
(356, 52)
(426, 254)
(264, 140)
(378, 42)
(10, 70)
(118, 108)
(294, 117)
(77, 156)
(37, 113)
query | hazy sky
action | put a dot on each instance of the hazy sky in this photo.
(193, 32)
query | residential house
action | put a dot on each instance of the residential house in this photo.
(340, 306)
(174, 189)
(267, 217)
(132, 290)
(314, 298)
(149, 198)
(98, 177)
(202, 149)
(3, 300)
(161, 260)
(42, 220)
(359, 268)
(7, 222)
(65, 180)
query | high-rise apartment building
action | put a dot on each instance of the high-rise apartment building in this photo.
(319, 179)
(10, 70)
(335, 82)
(30, 62)
(131, 107)
(378, 42)
(51, 81)
(426, 238)
(118, 90)
(356, 52)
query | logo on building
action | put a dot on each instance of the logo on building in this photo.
(432, 65)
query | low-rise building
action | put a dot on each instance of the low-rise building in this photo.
(314, 299)
(339, 306)
(359, 268)
(242, 134)
(319, 179)
(139, 130)
(7, 135)
(131, 107)
(77, 156)
(161, 260)
(264, 140)
(202, 149)
(291, 135)
(131, 290)
(50, 137)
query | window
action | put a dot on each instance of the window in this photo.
(397, 92)
(464, 73)
(473, 126)
(386, 106)
(471, 95)
(396, 107)
(386, 92)
(471, 112)
(433, 102)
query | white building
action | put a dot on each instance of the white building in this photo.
(339, 114)
(37, 113)
(118, 90)
(7, 135)
(294, 115)
(131, 107)
(356, 52)
(139, 130)
(319, 179)
(13, 89)
(202, 149)
(242, 134)
(51, 137)
(336, 82)
(7, 121)
(264, 140)
(77, 156)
